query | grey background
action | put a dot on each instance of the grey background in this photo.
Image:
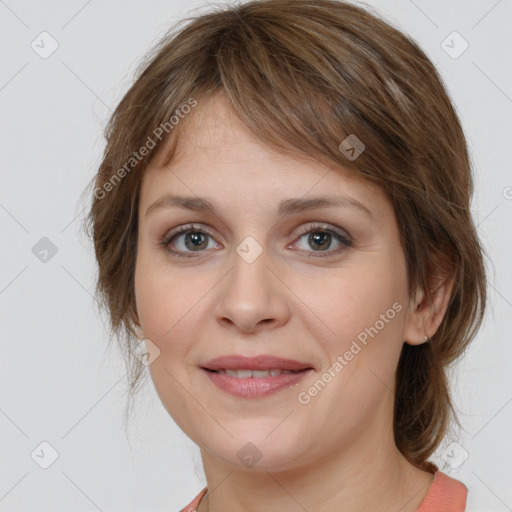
(57, 382)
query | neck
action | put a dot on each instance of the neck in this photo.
(369, 474)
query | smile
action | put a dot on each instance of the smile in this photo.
(257, 374)
(254, 383)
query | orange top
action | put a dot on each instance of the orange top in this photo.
(445, 495)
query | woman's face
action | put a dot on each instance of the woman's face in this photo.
(249, 280)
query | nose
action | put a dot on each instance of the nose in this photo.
(252, 296)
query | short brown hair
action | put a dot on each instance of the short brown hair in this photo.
(303, 75)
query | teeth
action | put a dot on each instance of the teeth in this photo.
(241, 374)
(257, 374)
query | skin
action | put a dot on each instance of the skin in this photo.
(336, 452)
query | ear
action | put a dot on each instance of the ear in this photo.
(425, 318)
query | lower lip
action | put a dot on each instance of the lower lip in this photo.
(254, 388)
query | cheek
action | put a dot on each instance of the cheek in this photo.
(157, 305)
(157, 294)
(362, 318)
(153, 300)
(354, 299)
(169, 305)
(166, 313)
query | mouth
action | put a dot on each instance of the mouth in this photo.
(256, 374)
(262, 362)
(252, 384)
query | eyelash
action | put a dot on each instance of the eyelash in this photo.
(190, 228)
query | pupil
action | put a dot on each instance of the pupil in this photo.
(318, 238)
(196, 239)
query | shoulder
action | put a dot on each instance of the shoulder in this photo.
(446, 494)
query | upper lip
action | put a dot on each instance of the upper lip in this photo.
(261, 362)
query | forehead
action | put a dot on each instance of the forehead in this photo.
(208, 131)
(213, 127)
(217, 155)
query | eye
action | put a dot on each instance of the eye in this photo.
(193, 239)
(189, 239)
(321, 237)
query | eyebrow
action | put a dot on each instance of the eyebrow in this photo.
(286, 207)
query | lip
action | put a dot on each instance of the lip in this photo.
(260, 362)
(252, 387)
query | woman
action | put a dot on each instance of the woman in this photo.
(282, 222)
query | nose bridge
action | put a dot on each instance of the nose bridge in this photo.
(251, 293)
(250, 267)
(249, 279)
